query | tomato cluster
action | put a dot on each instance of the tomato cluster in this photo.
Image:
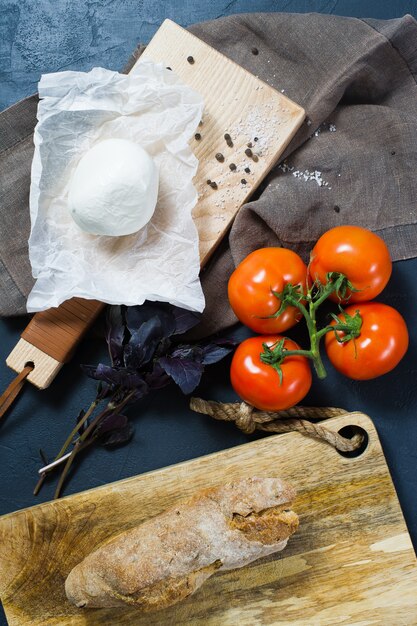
(272, 290)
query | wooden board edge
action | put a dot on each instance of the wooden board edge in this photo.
(277, 155)
(176, 26)
(333, 423)
(298, 120)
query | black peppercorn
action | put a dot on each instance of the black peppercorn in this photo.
(255, 138)
(248, 152)
(213, 185)
(197, 136)
(232, 166)
(250, 144)
(228, 140)
(208, 181)
(243, 181)
(220, 157)
(190, 60)
(247, 170)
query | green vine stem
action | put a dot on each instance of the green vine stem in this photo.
(308, 303)
(67, 443)
(84, 440)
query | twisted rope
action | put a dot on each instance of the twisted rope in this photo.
(248, 419)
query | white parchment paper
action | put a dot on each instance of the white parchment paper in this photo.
(152, 107)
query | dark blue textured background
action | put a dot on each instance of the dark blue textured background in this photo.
(52, 35)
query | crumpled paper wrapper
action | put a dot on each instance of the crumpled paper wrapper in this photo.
(152, 107)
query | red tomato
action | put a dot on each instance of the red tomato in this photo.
(258, 383)
(356, 252)
(251, 285)
(381, 345)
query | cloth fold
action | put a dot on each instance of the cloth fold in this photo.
(352, 162)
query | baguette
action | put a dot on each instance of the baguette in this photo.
(167, 558)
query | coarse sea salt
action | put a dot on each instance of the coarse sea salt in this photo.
(305, 175)
(251, 128)
(315, 175)
(254, 126)
(285, 167)
(331, 127)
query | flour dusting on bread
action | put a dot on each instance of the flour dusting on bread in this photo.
(167, 558)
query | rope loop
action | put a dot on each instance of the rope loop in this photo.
(248, 419)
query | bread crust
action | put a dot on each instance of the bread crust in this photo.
(165, 559)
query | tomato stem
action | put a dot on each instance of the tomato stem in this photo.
(314, 297)
(314, 334)
(324, 331)
(306, 353)
(319, 365)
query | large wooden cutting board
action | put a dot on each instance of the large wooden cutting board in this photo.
(351, 561)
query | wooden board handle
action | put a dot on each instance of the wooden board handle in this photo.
(58, 331)
(51, 338)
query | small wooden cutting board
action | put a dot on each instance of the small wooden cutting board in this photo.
(258, 118)
(351, 562)
(235, 102)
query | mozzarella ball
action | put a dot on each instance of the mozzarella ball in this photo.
(114, 189)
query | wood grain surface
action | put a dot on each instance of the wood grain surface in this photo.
(351, 561)
(49, 340)
(236, 102)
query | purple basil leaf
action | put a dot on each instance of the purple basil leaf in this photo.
(103, 390)
(213, 352)
(225, 342)
(184, 320)
(138, 315)
(163, 347)
(143, 343)
(186, 374)
(114, 421)
(115, 332)
(158, 378)
(191, 353)
(118, 437)
(122, 377)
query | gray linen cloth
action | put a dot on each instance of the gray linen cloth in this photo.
(352, 162)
